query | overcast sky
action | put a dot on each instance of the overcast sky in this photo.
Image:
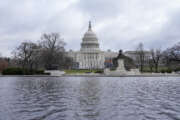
(119, 24)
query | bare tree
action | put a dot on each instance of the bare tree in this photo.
(174, 52)
(49, 53)
(151, 64)
(140, 56)
(52, 50)
(166, 59)
(171, 56)
(3, 64)
(25, 54)
(156, 56)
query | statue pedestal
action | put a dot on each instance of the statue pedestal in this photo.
(121, 71)
(121, 66)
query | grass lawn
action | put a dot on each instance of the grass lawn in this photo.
(160, 68)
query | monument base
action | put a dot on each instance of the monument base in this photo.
(121, 71)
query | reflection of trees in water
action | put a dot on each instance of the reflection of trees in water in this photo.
(43, 85)
(39, 88)
(42, 95)
(89, 99)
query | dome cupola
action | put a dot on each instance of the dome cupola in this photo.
(90, 41)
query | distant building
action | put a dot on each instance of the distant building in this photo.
(134, 55)
(90, 55)
(109, 55)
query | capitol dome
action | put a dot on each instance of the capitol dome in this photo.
(90, 34)
(90, 41)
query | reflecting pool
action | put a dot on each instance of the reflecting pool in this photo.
(89, 98)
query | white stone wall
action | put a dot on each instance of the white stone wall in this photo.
(88, 60)
(91, 61)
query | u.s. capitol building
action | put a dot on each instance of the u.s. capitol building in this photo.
(90, 55)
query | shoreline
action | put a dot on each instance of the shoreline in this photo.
(66, 75)
(121, 76)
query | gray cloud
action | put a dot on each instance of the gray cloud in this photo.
(119, 24)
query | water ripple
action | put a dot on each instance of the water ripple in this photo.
(83, 98)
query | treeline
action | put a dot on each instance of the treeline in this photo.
(157, 60)
(48, 53)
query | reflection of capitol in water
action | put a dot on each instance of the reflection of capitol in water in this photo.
(90, 55)
(88, 99)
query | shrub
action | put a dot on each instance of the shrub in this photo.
(20, 71)
(163, 71)
(99, 71)
(177, 69)
(40, 72)
(46, 73)
(166, 71)
(169, 71)
(13, 71)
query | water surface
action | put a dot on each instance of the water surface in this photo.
(82, 98)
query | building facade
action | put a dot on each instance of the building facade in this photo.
(135, 57)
